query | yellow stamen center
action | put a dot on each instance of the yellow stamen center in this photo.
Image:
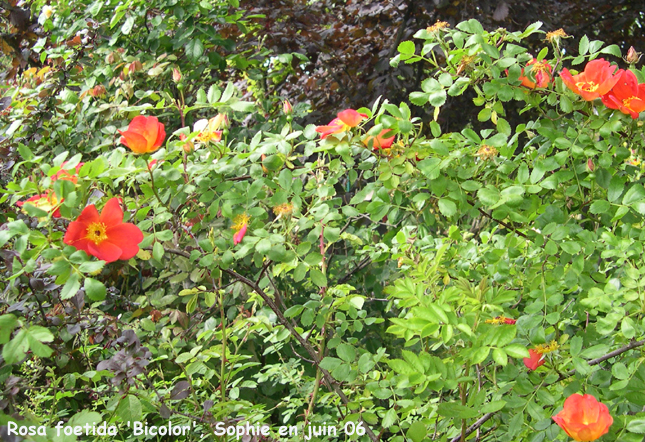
(239, 221)
(628, 101)
(587, 86)
(546, 348)
(96, 232)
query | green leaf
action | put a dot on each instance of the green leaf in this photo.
(452, 409)
(417, 432)
(91, 266)
(129, 409)
(72, 286)
(7, 325)
(157, 251)
(318, 278)
(329, 363)
(636, 426)
(406, 48)
(635, 193)
(488, 195)
(583, 47)
(16, 349)
(346, 352)
(447, 207)
(194, 49)
(599, 206)
(127, 25)
(479, 355)
(419, 98)
(94, 289)
(390, 418)
(517, 351)
(500, 357)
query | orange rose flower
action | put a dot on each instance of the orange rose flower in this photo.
(541, 70)
(534, 361)
(378, 142)
(346, 120)
(144, 134)
(627, 95)
(105, 236)
(597, 79)
(583, 418)
(45, 202)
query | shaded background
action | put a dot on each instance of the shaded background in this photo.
(349, 43)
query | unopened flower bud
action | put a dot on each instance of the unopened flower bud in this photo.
(188, 146)
(220, 121)
(287, 108)
(110, 58)
(632, 56)
(176, 75)
(590, 165)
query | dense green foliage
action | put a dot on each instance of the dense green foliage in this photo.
(365, 291)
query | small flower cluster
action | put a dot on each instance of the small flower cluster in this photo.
(618, 89)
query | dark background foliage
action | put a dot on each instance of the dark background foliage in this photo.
(349, 43)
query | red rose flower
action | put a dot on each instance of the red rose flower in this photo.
(627, 95)
(346, 120)
(541, 70)
(534, 361)
(105, 236)
(597, 79)
(144, 134)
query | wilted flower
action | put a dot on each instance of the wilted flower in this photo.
(546, 348)
(540, 70)
(46, 202)
(583, 418)
(627, 95)
(554, 37)
(596, 80)
(240, 224)
(105, 236)
(283, 210)
(534, 360)
(632, 56)
(144, 134)
(501, 320)
(438, 26)
(379, 142)
(344, 122)
(487, 152)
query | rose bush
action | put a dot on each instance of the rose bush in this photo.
(483, 284)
